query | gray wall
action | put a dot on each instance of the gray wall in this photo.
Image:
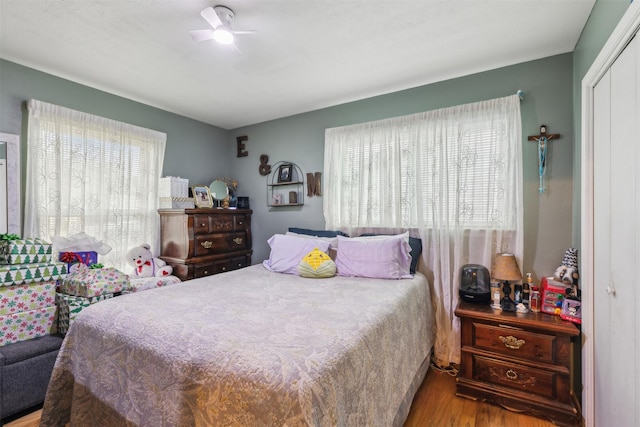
(193, 148)
(547, 85)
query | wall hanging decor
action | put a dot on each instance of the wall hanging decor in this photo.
(313, 184)
(543, 144)
(285, 185)
(264, 168)
(241, 146)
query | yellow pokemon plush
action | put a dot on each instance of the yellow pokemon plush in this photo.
(317, 264)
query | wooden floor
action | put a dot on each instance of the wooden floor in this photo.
(435, 405)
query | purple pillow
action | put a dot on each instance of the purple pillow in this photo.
(374, 257)
(288, 251)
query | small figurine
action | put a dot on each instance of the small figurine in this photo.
(568, 272)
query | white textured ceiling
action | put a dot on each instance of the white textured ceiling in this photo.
(306, 54)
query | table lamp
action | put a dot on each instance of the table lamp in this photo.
(505, 269)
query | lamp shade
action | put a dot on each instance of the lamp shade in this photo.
(505, 267)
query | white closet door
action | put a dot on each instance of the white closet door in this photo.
(616, 241)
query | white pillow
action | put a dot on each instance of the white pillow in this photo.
(333, 241)
(382, 257)
(287, 251)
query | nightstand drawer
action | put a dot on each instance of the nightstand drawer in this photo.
(514, 376)
(515, 342)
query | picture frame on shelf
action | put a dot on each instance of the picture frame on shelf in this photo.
(202, 196)
(284, 173)
(277, 199)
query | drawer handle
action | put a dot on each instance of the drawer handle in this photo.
(206, 244)
(203, 224)
(237, 240)
(206, 272)
(512, 342)
(224, 268)
(239, 222)
(511, 374)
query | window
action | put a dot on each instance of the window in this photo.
(454, 166)
(93, 175)
(453, 176)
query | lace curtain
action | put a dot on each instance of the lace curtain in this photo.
(94, 175)
(453, 177)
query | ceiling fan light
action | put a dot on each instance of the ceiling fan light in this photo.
(223, 35)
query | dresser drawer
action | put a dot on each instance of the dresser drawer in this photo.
(205, 224)
(203, 270)
(514, 376)
(220, 266)
(238, 262)
(239, 222)
(211, 244)
(515, 342)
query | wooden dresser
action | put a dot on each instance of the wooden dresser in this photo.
(204, 241)
(521, 362)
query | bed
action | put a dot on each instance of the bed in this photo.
(250, 347)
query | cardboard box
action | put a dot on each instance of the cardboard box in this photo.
(69, 306)
(176, 203)
(74, 258)
(90, 282)
(173, 186)
(14, 299)
(25, 251)
(18, 274)
(26, 325)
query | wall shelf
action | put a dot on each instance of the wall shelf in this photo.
(285, 185)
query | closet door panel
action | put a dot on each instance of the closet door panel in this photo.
(616, 236)
(624, 260)
(602, 234)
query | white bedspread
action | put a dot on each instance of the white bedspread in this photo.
(245, 348)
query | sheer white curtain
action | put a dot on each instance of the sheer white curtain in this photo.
(452, 176)
(90, 174)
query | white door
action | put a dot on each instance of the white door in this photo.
(616, 238)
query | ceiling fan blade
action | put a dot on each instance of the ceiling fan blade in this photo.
(211, 17)
(201, 35)
(244, 31)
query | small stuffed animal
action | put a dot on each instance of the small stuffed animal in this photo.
(145, 264)
(568, 271)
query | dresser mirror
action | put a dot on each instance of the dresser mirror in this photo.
(219, 189)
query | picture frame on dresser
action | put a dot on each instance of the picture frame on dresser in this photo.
(202, 196)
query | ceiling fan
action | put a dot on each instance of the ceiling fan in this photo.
(220, 18)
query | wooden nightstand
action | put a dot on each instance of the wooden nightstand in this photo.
(521, 362)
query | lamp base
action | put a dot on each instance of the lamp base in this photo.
(508, 304)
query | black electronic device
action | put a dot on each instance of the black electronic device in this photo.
(475, 284)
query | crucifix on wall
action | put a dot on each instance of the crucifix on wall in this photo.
(543, 141)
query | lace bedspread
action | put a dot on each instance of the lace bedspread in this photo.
(245, 348)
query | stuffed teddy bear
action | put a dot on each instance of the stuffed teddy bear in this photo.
(145, 264)
(568, 271)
